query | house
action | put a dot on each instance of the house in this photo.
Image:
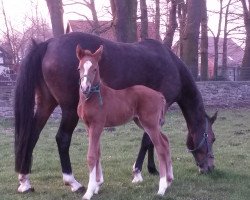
(234, 59)
(7, 75)
(105, 28)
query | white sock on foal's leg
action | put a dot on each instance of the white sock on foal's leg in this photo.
(70, 180)
(137, 175)
(92, 185)
(101, 181)
(24, 182)
(163, 185)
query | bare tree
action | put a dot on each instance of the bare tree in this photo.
(245, 71)
(216, 41)
(157, 20)
(204, 42)
(191, 36)
(182, 18)
(94, 23)
(56, 15)
(124, 19)
(144, 19)
(16, 42)
(172, 24)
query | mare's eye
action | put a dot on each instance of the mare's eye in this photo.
(95, 70)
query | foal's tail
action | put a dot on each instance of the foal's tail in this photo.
(29, 74)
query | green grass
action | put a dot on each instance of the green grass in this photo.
(230, 180)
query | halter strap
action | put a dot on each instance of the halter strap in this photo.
(93, 89)
(203, 141)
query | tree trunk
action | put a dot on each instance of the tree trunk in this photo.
(157, 20)
(96, 25)
(191, 36)
(172, 25)
(144, 19)
(224, 53)
(56, 16)
(216, 43)
(245, 68)
(124, 19)
(204, 43)
(182, 14)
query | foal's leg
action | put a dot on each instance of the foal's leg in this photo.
(45, 106)
(163, 153)
(93, 161)
(63, 139)
(99, 174)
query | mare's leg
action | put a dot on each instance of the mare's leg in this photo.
(137, 168)
(63, 139)
(146, 145)
(93, 160)
(45, 106)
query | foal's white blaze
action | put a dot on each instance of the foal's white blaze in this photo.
(24, 183)
(92, 185)
(70, 180)
(84, 81)
(162, 186)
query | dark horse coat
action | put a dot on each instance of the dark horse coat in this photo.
(48, 77)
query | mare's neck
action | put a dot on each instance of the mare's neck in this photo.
(192, 106)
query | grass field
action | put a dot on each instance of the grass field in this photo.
(229, 181)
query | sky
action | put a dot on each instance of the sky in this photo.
(16, 10)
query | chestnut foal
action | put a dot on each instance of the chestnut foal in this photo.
(100, 106)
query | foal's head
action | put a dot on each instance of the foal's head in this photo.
(88, 67)
(200, 145)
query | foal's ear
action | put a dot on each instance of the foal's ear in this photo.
(98, 53)
(79, 52)
(214, 117)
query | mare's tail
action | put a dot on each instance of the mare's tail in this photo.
(29, 74)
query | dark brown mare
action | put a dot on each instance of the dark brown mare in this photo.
(101, 106)
(48, 77)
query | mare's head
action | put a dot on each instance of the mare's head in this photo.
(88, 68)
(200, 144)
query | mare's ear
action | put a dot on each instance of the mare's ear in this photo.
(214, 117)
(98, 53)
(79, 52)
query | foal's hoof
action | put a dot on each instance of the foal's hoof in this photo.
(30, 190)
(81, 190)
(153, 171)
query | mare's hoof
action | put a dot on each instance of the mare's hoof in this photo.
(153, 171)
(81, 190)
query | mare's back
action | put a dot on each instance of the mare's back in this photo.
(146, 63)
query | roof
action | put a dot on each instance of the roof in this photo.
(234, 51)
(105, 26)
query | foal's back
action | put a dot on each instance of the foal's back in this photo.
(133, 102)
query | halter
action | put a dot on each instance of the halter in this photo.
(203, 141)
(93, 89)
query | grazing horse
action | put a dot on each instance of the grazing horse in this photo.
(101, 106)
(48, 77)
